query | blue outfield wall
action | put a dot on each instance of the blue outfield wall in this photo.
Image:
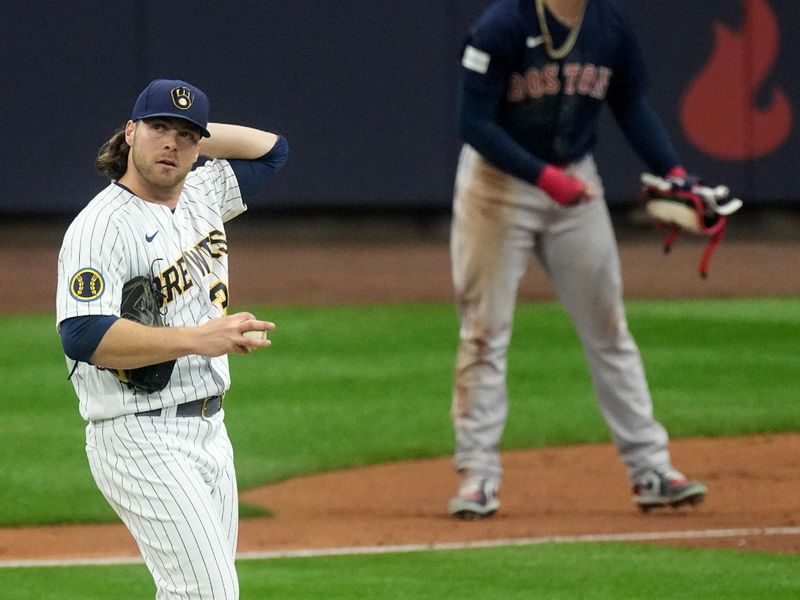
(365, 92)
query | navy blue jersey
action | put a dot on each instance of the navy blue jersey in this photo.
(549, 106)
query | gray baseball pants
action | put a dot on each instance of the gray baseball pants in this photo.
(499, 222)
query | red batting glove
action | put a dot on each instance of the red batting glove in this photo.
(564, 189)
(678, 172)
(681, 180)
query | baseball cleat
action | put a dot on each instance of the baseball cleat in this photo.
(666, 487)
(476, 499)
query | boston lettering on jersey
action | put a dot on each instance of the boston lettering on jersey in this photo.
(547, 96)
(176, 279)
(585, 80)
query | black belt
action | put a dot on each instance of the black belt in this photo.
(207, 407)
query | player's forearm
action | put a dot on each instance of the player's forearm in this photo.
(479, 128)
(236, 141)
(129, 345)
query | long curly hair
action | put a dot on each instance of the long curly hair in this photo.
(112, 159)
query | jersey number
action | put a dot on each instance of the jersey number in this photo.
(219, 295)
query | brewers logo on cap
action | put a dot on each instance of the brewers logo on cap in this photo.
(182, 97)
(87, 285)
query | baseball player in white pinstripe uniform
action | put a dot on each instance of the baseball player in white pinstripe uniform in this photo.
(163, 459)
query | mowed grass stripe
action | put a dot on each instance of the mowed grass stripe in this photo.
(715, 367)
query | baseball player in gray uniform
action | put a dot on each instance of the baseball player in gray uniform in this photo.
(535, 74)
(162, 458)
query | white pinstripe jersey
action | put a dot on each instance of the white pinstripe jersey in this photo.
(119, 236)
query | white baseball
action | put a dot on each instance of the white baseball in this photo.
(256, 334)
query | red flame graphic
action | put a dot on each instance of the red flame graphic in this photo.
(719, 112)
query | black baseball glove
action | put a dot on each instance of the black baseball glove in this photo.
(141, 302)
(686, 204)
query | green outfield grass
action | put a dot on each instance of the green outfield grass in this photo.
(548, 572)
(720, 367)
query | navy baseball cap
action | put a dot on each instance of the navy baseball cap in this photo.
(173, 98)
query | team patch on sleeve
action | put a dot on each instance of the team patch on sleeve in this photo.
(87, 285)
(476, 60)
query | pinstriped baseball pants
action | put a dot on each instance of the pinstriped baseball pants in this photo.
(171, 480)
(499, 222)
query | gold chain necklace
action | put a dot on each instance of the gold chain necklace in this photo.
(568, 44)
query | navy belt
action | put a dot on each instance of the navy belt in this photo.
(207, 407)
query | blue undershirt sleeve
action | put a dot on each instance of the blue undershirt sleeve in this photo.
(80, 336)
(481, 131)
(492, 46)
(253, 175)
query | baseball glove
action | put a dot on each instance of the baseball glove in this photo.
(141, 302)
(686, 204)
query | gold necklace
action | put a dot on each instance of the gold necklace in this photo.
(568, 44)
